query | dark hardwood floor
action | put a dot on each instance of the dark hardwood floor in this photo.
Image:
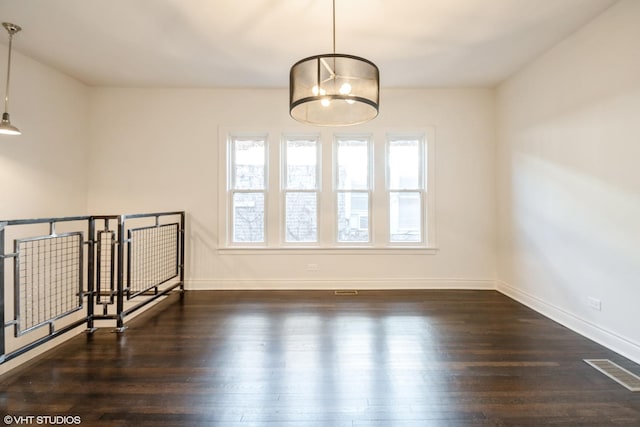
(402, 358)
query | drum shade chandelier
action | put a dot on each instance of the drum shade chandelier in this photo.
(6, 128)
(334, 89)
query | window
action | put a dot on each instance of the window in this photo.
(301, 185)
(353, 188)
(247, 189)
(340, 191)
(405, 187)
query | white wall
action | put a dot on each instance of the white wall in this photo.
(157, 149)
(43, 171)
(569, 180)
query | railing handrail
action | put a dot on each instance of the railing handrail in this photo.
(43, 220)
(149, 215)
(27, 221)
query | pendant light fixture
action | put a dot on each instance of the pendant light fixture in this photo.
(334, 89)
(6, 128)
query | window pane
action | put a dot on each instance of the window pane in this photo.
(353, 165)
(404, 165)
(301, 165)
(353, 217)
(301, 217)
(248, 217)
(248, 164)
(405, 216)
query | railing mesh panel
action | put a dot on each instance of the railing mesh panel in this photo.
(153, 257)
(49, 280)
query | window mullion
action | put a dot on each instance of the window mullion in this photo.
(272, 191)
(326, 202)
(378, 197)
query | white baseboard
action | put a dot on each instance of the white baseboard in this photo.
(611, 340)
(338, 284)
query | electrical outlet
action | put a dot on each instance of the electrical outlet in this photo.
(313, 267)
(595, 303)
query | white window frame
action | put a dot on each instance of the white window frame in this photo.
(230, 189)
(421, 188)
(275, 241)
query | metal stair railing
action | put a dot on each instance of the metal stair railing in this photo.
(61, 273)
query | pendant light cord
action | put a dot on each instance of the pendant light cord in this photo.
(334, 26)
(6, 92)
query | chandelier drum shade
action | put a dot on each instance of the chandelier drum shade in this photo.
(334, 89)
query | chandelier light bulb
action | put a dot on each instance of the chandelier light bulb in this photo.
(345, 89)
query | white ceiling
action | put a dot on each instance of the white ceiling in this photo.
(253, 43)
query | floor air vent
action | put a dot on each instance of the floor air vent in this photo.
(617, 373)
(341, 293)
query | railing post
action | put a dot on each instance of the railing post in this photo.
(91, 274)
(120, 279)
(182, 233)
(2, 261)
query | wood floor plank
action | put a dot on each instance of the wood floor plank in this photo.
(290, 358)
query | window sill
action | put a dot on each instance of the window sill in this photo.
(346, 250)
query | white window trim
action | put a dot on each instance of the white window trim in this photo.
(327, 228)
(226, 193)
